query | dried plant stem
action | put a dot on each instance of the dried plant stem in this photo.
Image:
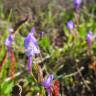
(15, 75)
(75, 73)
(86, 85)
(12, 69)
(4, 60)
(40, 74)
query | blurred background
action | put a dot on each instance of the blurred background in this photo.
(32, 7)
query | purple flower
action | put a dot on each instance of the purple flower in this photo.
(77, 3)
(31, 45)
(48, 84)
(8, 41)
(89, 38)
(70, 25)
(27, 41)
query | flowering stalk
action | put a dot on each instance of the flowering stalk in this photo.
(48, 84)
(77, 4)
(31, 47)
(8, 43)
(89, 40)
(71, 26)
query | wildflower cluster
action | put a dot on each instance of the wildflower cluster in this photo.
(31, 49)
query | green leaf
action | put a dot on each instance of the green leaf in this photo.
(6, 87)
